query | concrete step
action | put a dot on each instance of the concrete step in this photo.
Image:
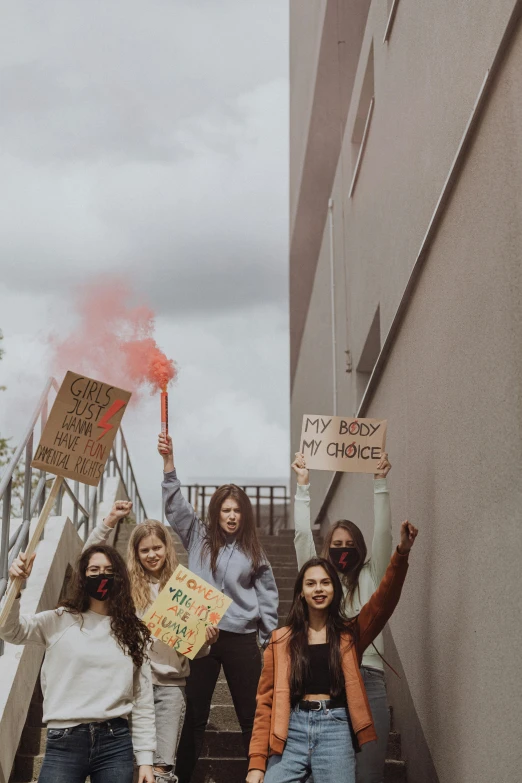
(395, 771)
(26, 768)
(223, 718)
(222, 744)
(285, 581)
(393, 751)
(231, 770)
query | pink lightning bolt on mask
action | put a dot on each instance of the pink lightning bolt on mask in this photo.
(344, 558)
(100, 586)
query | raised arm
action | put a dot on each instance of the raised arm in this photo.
(377, 611)
(180, 514)
(303, 537)
(102, 531)
(259, 744)
(268, 601)
(382, 527)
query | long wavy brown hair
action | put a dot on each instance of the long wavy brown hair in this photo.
(140, 584)
(349, 579)
(246, 538)
(131, 634)
(337, 623)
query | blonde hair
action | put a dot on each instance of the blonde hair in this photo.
(140, 584)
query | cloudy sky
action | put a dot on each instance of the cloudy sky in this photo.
(148, 141)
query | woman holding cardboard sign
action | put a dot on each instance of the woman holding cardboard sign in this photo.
(225, 552)
(95, 674)
(151, 560)
(312, 712)
(345, 548)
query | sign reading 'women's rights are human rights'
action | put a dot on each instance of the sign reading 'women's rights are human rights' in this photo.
(181, 612)
(340, 444)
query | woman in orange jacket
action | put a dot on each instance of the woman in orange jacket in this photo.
(312, 710)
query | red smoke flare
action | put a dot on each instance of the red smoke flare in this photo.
(114, 341)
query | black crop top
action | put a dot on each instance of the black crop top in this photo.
(318, 680)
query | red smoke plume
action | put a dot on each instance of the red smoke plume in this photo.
(114, 341)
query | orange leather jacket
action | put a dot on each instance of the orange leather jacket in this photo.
(273, 693)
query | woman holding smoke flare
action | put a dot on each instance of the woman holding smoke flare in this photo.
(151, 560)
(95, 674)
(345, 548)
(226, 552)
(312, 710)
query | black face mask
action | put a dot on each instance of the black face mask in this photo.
(344, 558)
(100, 586)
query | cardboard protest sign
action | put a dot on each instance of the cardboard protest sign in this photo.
(339, 444)
(77, 439)
(181, 612)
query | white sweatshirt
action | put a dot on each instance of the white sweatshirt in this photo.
(373, 570)
(86, 676)
(169, 668)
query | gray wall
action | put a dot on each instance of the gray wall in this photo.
(452, 387)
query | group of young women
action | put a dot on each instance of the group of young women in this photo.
(112, 693)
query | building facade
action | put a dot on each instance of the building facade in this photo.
(405, 304)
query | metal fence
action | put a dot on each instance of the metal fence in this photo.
(270, 503)
(84, 498)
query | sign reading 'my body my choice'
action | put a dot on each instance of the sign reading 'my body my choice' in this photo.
(81, 428)
(339, 444)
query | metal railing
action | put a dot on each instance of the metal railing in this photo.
(270, 503)
(84, 498)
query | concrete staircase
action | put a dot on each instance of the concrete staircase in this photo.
(222, 758)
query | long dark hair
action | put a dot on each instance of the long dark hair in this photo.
(350, 579)
(131, 634)
(336, 623)
(246, 537)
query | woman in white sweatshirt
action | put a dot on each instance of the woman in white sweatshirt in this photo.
(95, 674)
(151, 561)
(345, 548)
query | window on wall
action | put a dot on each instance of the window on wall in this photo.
(369, 355)
(392, 10)
(363, 119)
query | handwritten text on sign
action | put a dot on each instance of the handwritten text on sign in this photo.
(350, 445)
(78, 437)
(181, 612)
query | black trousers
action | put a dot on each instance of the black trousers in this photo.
(241, 660)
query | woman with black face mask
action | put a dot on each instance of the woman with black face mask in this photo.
(345, 548)
(95, 674)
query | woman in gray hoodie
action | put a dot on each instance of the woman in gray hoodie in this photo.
(225, 551)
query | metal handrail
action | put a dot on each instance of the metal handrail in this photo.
(264, 497)
(33, 498)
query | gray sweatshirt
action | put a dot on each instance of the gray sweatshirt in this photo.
(254, 594)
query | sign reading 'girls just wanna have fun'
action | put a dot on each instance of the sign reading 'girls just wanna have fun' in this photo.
(78, 437)
(181, 612)
(339, 444)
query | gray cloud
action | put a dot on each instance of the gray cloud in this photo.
(149, 140)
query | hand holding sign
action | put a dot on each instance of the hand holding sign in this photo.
(22, 566)
(384, 467)
(340, 444)
(300, 469)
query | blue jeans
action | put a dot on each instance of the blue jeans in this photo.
(319, 742)
(101, 750)
(371, 759)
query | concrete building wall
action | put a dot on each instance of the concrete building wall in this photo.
(451, 389)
